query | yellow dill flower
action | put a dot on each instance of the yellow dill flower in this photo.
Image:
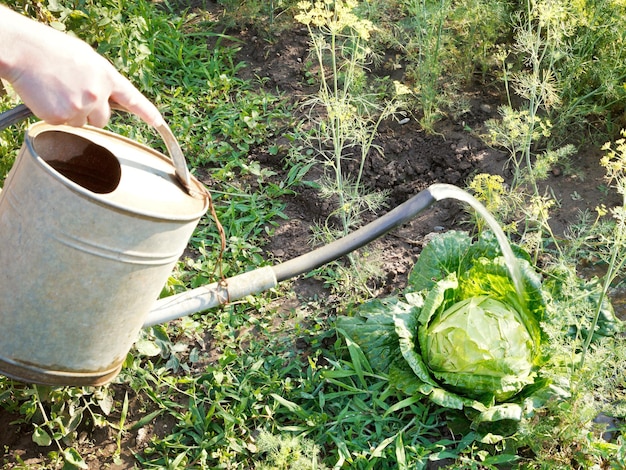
(334, 17)
(488, 189)
(401, 88)
(614, 161)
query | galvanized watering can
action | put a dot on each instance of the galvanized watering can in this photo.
(91, 225)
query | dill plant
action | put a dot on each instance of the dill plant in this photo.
(554, 64)
(592, 70)
(538, 34)
(613, 246)
(605, 237)
(346, 112)
(444, 43)
(475, 28)
(541, 32)
(429, 19)
(350, 113)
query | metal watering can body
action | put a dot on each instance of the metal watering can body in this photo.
(91, 225)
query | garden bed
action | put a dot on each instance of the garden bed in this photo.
(410, 161)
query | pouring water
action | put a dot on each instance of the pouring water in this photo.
(447, 191)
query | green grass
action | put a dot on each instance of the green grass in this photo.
(251, 385)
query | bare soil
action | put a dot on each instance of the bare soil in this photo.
(412, 160)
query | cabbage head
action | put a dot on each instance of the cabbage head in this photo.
(479, 346)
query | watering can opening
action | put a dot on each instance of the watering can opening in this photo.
(84, 162)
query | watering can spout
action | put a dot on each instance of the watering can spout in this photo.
(261, 279)
(212, 295)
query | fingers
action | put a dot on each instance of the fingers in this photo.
(56, 112)
(69, 96)
(100, 115)
(92, 110)
(95, 108)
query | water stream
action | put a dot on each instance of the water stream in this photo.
(448, 191)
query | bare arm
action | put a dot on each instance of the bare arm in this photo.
(61, 78)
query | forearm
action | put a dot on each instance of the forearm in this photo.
(15, 42)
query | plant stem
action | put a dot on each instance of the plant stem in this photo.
(613, 270)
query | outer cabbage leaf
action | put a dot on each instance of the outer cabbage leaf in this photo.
(487, 246)
(372, 328)
(406, 329)
(403, 378)
(454, 252)
(440, 257)
(508, 411)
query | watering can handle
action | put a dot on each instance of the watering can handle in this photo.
(178, 158)
(15, 115)
(21, 112)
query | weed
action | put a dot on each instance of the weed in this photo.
(58, 413)
(287, 453)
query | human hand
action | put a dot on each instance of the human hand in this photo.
(61, 78)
